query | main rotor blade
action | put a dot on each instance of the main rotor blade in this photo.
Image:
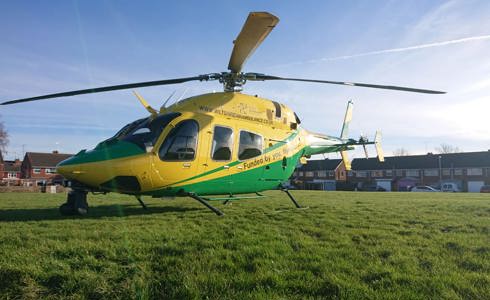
(375, 86)
(256, 28)
(108, 88)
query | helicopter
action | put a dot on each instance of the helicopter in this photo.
(219, 146)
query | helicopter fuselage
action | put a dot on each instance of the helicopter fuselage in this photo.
(218, 143)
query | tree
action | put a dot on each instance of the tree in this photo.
(4, 137)
(401, 152)
(446, 148)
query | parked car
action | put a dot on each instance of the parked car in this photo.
(485, 189)
(423, 188)
(450, 187)
(372, 188)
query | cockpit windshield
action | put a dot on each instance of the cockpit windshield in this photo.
(144, 132)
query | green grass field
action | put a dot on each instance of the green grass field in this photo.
(345, 246)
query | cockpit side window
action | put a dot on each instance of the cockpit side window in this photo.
(145, 132)
(181, 142)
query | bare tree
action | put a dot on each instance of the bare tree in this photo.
(446, 148)
(401, 152)
(4, 137)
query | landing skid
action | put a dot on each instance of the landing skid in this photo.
(205, 201)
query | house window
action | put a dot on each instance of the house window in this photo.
(389, 173)
(321, 173)
(431, 172)
(50, 171)
(446, 172)
(36, 171)
(458, 172)
(399, 172)
(309, 174)
(222, 143)
(12, 175)
(412, 173)
(361, 173)
(301, 174)
(331, 173)
(377, 173)
(474, 171)
(250, 145)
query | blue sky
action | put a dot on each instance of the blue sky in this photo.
(54, 46)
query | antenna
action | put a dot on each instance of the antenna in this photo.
(164, 105)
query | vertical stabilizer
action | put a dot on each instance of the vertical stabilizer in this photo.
(377, 144)
(348, 117)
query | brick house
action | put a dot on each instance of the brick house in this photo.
(469, 170)
(40, 168)
(10, 171)
(320, 174)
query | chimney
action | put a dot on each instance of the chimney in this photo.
(55, 152)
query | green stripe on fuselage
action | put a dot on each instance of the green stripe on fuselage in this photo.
(265, 177)
(237, 162)
(119, 149)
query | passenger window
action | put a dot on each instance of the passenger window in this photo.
(250, 145)
(181, 142)
(222, 143)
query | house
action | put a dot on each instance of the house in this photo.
(468, 170)
(40, 168)
(10, 172)
(323, 174)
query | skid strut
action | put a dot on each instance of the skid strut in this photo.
(291, 197)
(205, 203)
(141, 202)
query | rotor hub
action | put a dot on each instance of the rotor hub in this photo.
(232, 82)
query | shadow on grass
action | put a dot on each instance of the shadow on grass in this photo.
(95, 212)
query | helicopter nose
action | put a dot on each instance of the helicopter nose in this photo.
(68, 168)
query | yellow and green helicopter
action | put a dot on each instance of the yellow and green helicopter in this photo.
(225, 144)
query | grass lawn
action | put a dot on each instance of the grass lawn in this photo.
(347, 245)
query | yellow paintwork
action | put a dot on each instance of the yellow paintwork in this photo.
(147, 106)
(235, 110)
